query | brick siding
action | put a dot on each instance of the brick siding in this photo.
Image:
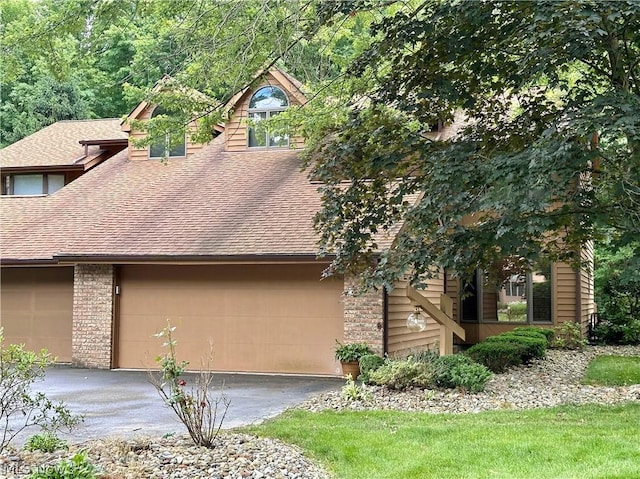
(363, 316)
(92, 315)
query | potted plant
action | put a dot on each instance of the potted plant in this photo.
(349, 355)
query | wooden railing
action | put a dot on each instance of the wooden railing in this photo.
(443, 316)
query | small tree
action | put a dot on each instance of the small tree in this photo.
(197, 408)
(20, 408)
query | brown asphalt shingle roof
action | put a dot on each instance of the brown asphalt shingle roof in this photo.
(58, 144)
(213, 204)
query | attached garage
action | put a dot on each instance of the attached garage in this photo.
(258, 318)
(37, 308)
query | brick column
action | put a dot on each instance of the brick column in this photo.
(363, 315)
(92, 315)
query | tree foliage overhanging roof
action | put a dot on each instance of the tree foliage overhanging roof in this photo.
(550, 89)
(550, 153)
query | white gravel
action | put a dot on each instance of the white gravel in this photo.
(549, 382)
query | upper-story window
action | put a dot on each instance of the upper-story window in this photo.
(169, 146)
(32, 184)
(266, 103)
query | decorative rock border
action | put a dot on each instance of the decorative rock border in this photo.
(549, 382)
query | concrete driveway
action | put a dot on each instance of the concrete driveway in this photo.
(125, 404)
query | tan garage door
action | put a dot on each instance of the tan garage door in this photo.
(259, 318)
(37, 308)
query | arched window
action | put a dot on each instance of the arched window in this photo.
(171, 145)
(266, 103)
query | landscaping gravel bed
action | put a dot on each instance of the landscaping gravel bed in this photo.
(545, 383)
(552, 381)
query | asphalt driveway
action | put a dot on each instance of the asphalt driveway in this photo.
(125, 404)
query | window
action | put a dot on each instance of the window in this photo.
(266, 103)
(171, 145)
(521, 298)
(32, 184)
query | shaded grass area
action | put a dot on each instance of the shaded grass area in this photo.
(613, 371)
(564, 442)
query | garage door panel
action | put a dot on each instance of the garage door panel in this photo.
(275, 318)
(37, 309)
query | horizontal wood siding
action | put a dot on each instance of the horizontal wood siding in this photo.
(587, 300)
(400, 341)
(137, 153)
(564, 288)
(453, 291)
(236, 127)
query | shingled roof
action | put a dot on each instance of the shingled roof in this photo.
(59, 144)
(213, 205)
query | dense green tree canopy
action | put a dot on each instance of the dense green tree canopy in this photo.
(547, 96)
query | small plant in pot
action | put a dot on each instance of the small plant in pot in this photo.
(349, 355)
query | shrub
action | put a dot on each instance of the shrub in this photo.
(546, 333)
(78, 467)
(197, 408)
(498, 355)
(403, 373)
(443, 367)
(470, 377)
(533, 347)
(46, 442)
(456, 371)
(568, 335)
(369, 363)
(426, 356)
(20, 408)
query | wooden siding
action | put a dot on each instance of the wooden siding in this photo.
(587, 300)
(453, 288)
(400, 340)
(236, 127)
(142, 153)
(564, 293)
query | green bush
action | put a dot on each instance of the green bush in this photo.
(78, 467)
(533, 331)
(456, 371)
(46, 442)
(568, 335)
(369, 363)
(403, 373)
(497, 356)
(617, 290)
(533, 347)
(20, 407)
(471, 377)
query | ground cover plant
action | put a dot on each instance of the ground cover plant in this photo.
(428, 370)
(542, 443)
(613, 371)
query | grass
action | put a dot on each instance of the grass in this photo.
(613, 371)
(567, 442)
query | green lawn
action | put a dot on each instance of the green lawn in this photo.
(567, 442)
(613, 371)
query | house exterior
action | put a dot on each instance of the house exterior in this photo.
(217, 239)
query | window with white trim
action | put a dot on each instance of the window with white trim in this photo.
(266, 103)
